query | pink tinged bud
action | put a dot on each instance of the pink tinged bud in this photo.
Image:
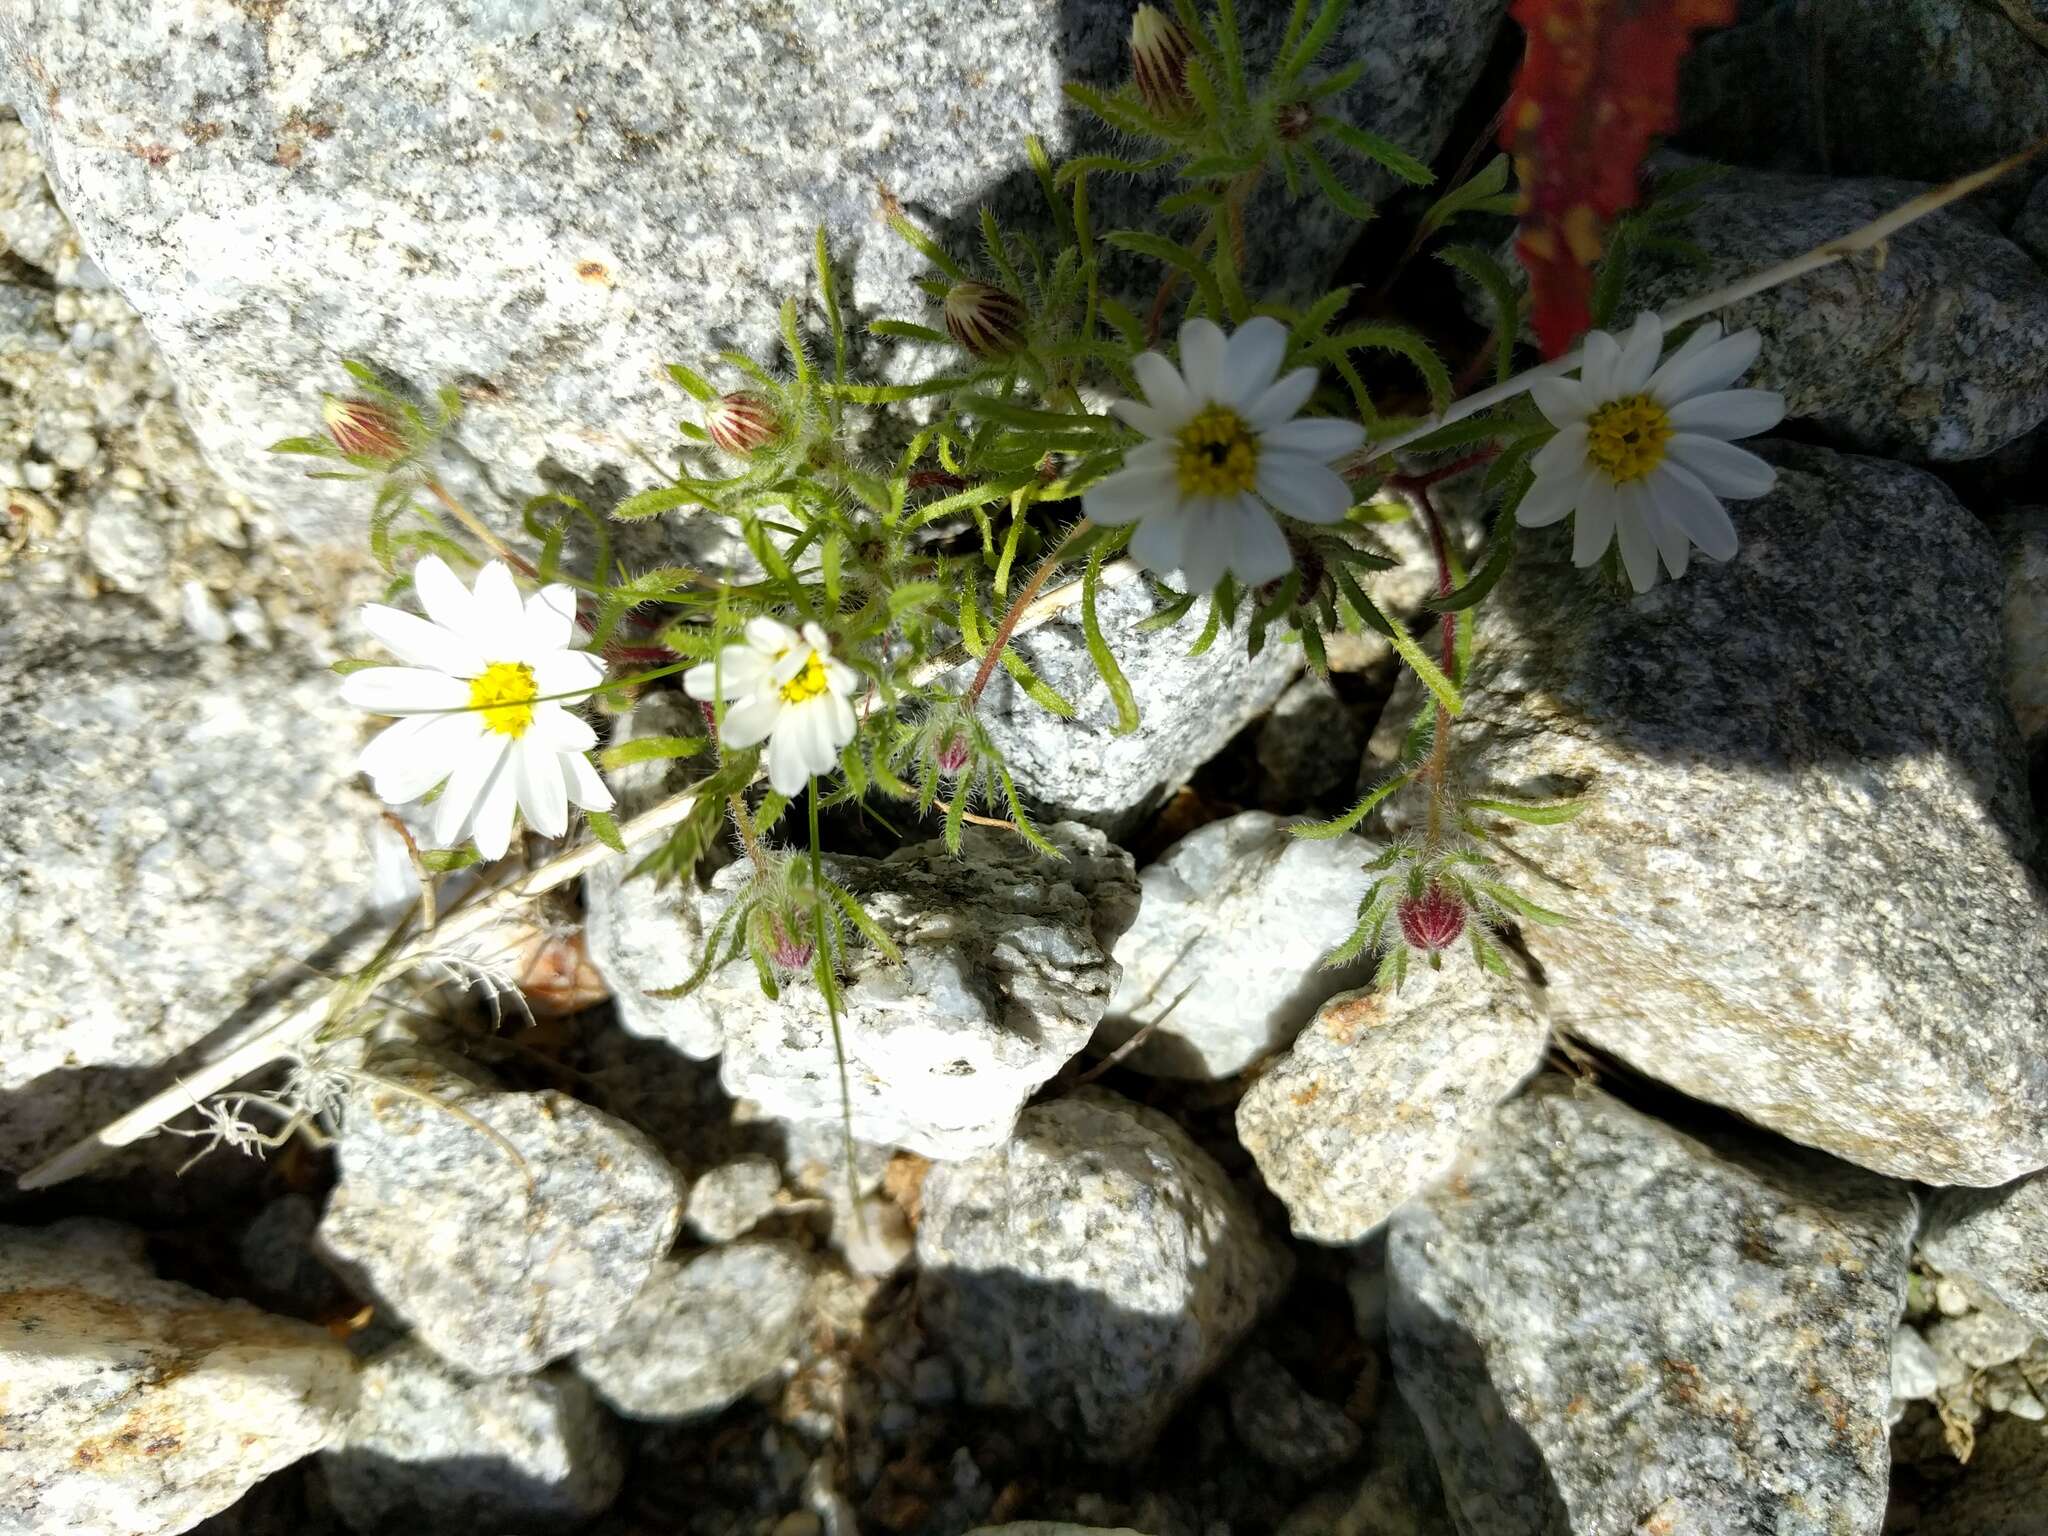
(1432, 921)
(362, 429)
(791, 954)
(742, 422)
(986, 321)
(954, 754)
(1159, 63)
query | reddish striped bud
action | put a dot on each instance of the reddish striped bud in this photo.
(954, 754)
(984, 320)
(742, 422)
(362, 429)
(1159, 63)
(1432, 921)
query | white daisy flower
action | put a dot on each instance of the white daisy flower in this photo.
(783, 688)
(1645, 451)
(480, 701)
(1225, 447)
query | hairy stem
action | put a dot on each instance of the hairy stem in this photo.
(475, 525)
(1015, 612)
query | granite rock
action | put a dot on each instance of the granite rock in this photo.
(1934, 354)
(728, 1199)
(432, 1449)
(1606, 1326)
(1916, 1367)
(1005, 974)
(138, 1405)
(1804, 852)
(1999, 1238)
(2024, 536)
(1381, 1091)
(1308, 747)
(1990, 1335)
(1188, 708)
(705, 1332)
(1226, 954)
(1399, 1494)
(1093, 1269)
(638, 184)
(1284, 1425)
(508, 1229)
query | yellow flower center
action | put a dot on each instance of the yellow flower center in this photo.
(1218, 454)
(1625, 438)
(504, 692)
(807, 684)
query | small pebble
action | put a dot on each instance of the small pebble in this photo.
(1950, 1297)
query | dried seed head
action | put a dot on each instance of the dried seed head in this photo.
(363, 429)
(986, 321)
(742, 422)
(555, 973)
(953, 754)
(1432, 921)
(1159, 63)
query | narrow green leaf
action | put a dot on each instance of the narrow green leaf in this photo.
(349, 664)
(654, 502)
(648, 749)
(906, 331)
(1500, 551)
(606, 828)
(1383, 152)
(1426, 670)
(691, 382)
(927, 247)
(1175, 255)
(320, 447)
(1320, 831)
(1105, 661)
(1542, 813)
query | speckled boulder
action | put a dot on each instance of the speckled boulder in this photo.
(1608, 1327)
(1380, 1092)
(1093, 1269)
(1800, 886)
(2024, 535)
(1999, 1238)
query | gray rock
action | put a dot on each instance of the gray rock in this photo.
(1188, 708)
(1400, 1493)
(138, 1405)
(1804, 851)
(728, 1199)
(2030, 228)
(1999, 1238)
(704, 1333)
(277, 1255)
(1916, 1367)
(1935, 354)
(1924, 88)
(434, 1450)
(638, 184)
(509, 1229)
(1005, 974)
(1308, 746)
(1381, 1091)
(1991, 1335)
(2024, 536)
(1578, 1320)
(1093, 1269)
(2003, 1490)
(1227, 953)
(1281, 1423)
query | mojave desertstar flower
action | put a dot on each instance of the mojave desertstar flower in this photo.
(479, 701)
(783, 688)
(1225, 446)
(1644, 452)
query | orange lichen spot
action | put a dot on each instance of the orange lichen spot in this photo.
(593, 272)
(1307, 1095)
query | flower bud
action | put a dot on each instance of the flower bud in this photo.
(953, 754)
(1159, 63)
(986, 321)
(1292, 120)
(789, 952)
(742, 422)
(363, 429)
(1432, 921)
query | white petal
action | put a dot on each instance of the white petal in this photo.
(1639, 350)
(492, 824)
(559, 731)
(1730, 413)
(701, 681)
(1593, 524)
(1714, 366)
(1208, 542)
(841, 678)
(543, 796)
(1203, 349)
(1128, 495)
(1602, 356)
(500, 625)
(1153, 423)
(570, 672)
(585, 787)
(1158, 543)
(1252, 360)
(786, 770)
(419, 642)
(1303, 488)
(443, 595)
(1672, 543)
(1553, 495)
(1563, 452)
(1638, 544)
(1259, 550)
(1319, 437)
(751, 719)
(550, 618)
(843, 722)
(1726, 469)
(769, 636)
(1165, 391)
(404, 768)
(403, 691)
(816, 638)
(1697, 510)
(1279, 403)
(1563, 402)
(472, 775)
